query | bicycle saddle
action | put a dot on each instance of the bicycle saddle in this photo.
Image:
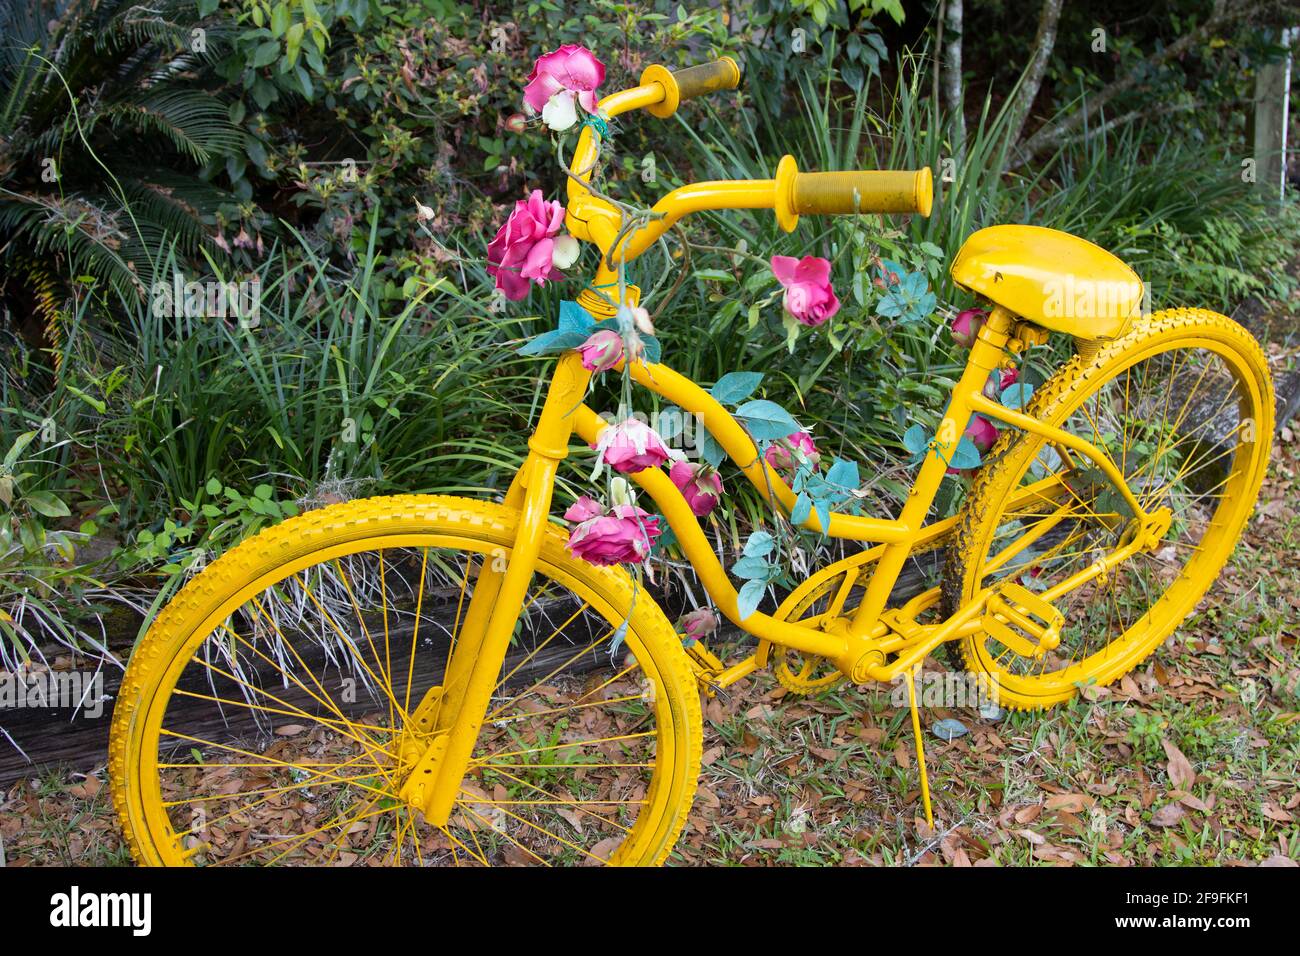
(1052, 279)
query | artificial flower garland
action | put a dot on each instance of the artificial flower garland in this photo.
(531, 248)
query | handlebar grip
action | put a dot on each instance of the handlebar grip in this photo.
(721, 74)
(907, 191)
(688, 83)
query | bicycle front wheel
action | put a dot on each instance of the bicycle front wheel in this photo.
(268, 716)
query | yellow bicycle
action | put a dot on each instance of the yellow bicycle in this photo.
(429, 679)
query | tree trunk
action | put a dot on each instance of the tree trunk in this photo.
(1054, 134)
(1030, 81)
(952, 81)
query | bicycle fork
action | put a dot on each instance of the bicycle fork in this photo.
(451, 716)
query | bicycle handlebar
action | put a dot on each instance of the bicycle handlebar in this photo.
(863, 191)
(854, 191)
(688, 83)
(790, 194)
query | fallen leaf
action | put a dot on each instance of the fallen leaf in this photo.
(1179, 768)
(1168, 815)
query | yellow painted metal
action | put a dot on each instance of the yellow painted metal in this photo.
(1051, 278)
(787, 171)
(721, 74)
(920, 747)
(596, 220)
(874, 190)
(1016, 267)
(1168, 332)
(467, 706)
(985, 406)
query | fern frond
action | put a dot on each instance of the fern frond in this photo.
(193, 121)
(51, 317)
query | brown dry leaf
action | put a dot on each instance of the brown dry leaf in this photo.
(1194, 803)
(1028, 814)
(1179, 768)
(1274, 812)
(1277, 859)
(709, 798)
(872, 735)
(1168, 815)
(290, 730)
(1070, 802)
(571, 816)
(902, 755)
(1035, 838)
(87, 788)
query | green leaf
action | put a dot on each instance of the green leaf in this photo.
(759, 545)
(965, 456)
(916, 439)
(735, 387)
(1017, 395)
(552, 342)
(266, 53)
(844, 473)
(749, 598)
(16, 449)
(574, 318)
(47, 503)
(280, 20)
(752, 568)
(293, 43)
(711, 450)
(213, 487)
(767, 420)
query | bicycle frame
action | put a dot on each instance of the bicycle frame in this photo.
(859, 645)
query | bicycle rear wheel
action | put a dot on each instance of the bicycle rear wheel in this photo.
(1183, 405)
(268, 716)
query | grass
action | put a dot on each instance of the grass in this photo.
(831, 780)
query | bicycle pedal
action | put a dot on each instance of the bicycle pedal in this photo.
(1022, 621)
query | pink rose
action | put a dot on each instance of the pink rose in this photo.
(808, 293)
(559, 79)
(524, 246)
(783, 455)
(602, 350)
(999, 381)
(982, 433)
(967, 325)
(631, 445)
(584, 509)
(700, 485)
(622, 535)
(697, 625)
